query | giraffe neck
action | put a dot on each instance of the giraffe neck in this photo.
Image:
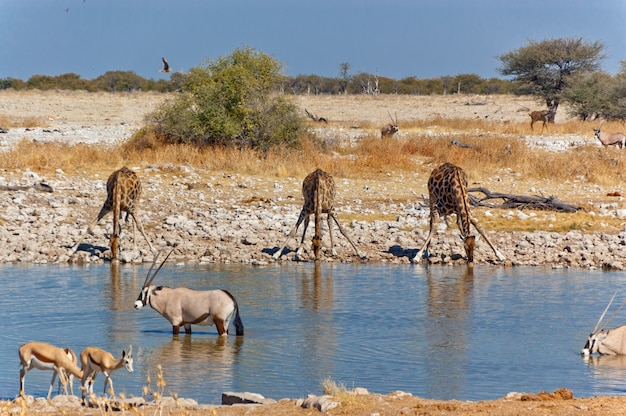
(462, 203)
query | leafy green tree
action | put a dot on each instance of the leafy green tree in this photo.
(118, 81)
(588, 95)
(231, 101)
(14, 83)
(545, 68)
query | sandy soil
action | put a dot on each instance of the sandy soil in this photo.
(63, 110)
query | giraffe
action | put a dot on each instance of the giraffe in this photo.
(318, 191)
(123, 191)
(447, 193)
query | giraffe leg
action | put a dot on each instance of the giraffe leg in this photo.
(306, 225)
(141, 230)
(291, 234)
(329, 218)
(434, 219)
(102, 214)
(345, 234)
(499, 255)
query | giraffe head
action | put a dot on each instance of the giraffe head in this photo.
(469, 243)
(317, 243)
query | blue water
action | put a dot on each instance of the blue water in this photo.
(435, 332)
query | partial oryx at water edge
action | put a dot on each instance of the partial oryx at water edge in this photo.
(611, 342)
(183, 306)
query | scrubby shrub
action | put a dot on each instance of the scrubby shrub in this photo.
(231, 101)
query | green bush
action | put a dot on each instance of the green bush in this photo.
(231, 101)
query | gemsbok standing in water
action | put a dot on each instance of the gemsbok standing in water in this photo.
(183, 307)
(611, 342)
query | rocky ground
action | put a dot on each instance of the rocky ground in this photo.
(216, 217)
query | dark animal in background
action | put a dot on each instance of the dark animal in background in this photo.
(545, 116)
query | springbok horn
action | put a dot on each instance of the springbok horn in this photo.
(603, 313)
(613, 316)
(159, 268)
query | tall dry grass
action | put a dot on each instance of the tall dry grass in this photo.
(500, 145)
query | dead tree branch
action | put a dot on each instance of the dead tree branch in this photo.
(520, 202)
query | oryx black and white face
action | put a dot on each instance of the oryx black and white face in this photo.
(144, 298)
(146, 290)
(593, 343)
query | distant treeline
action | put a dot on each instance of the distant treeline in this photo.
(361, 83)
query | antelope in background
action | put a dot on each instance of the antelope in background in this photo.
(44, 356)
(545, 116)
(608, 139)
(390, 129)
(611, 342)
(94, 360)
(183, 307)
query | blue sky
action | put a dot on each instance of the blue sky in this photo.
(395, 38)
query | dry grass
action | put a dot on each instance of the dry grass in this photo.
(371, 156)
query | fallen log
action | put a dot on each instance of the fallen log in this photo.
(39, 186)
(520, 202)
(455, 142)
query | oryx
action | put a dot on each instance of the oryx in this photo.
(390, 129)
(183, 306)
(611, 342)
(608, 139)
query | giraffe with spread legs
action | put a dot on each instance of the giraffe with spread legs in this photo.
(123, 192)
(447, 193)
(318, 191)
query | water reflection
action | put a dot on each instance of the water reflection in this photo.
(607, 372)
(318, 332)
(449, 304)
(317, 292)
(185, 358)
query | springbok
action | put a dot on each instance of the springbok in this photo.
(183, 306)
(545, 116)
(611, 342)
(608, 139)
(390, 129)
(94, 360)
(44, 356)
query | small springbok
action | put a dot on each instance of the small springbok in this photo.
(94, 360)
(44, 356)
(608, 139)
(183, 307)
(545, 116)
